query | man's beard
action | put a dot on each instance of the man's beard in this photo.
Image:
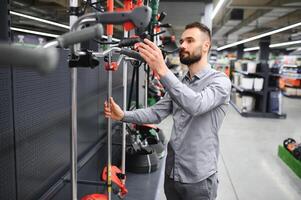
(189, 59)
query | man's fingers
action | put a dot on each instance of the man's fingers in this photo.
(107, 116)
(145, 57)
(112, 100)
(151, 44)
(146, 47)
(107, 113)
(147, 54)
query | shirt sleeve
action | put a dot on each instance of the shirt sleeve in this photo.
(197, 103)
(151, 115)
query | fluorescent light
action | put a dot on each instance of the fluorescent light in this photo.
(34, 32)
(251, 49)
(217, 8)
(292, 48)
(40, 20)
(46, 22)
(260, 36)
(285, 44)
(276, 45)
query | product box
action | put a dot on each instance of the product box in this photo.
(251, 67)
(248, 103)
(258, 84)
(247, 83)
(274, 102)
(298, 92)
(290, 91)
(236, 78)
(237, 65)
(238, 100)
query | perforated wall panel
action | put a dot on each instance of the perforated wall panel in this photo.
(41, 109)
(7, 164)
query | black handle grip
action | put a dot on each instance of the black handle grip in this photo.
(128, 42)
(85, 34)
(39, 59)
(132, 54)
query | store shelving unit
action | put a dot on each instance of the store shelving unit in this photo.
(262, 98)
(251, 74)
(289, 75)
(242, 90)
(257, 114)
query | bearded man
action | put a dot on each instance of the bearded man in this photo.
(198, 104)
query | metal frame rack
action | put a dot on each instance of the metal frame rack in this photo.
(262, 97)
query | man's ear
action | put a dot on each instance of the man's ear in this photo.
(206, 46)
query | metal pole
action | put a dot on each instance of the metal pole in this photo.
(123, 153)
(110, 6)
(146, 76)
(74, 133)
(73, 18)
(132, 88)
(137, 87)
(109, 127)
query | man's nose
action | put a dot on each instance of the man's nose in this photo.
(183, 45)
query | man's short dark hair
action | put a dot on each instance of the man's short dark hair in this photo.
(202, 27)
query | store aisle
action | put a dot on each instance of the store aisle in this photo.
(249, 168)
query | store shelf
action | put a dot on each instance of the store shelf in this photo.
(292, 86)
(289, 66)
(235, 107)
(291, 96)
(257, 114)
(273, 89)
(286, 76)
(251, 74)
(242, 90)
(274, 74)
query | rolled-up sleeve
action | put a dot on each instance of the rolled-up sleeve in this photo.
(152, 115)
(196, 103)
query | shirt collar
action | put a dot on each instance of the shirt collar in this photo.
(199, 74)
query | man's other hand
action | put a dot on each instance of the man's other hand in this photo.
(113, 111)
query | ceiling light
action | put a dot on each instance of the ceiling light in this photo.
(276, 45)
(46, 22)
(292, 48)
(34, 32)
(40, 20)
(251, 49)
(285, 44)
(260, 36)
(217, 8)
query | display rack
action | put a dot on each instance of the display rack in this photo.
(290, 81)
(262, 104)
(242, 90)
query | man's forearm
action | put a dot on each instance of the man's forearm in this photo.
(141, 116)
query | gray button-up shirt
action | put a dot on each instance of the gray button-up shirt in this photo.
(198, 107)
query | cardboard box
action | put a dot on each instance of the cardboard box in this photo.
(258, 84)
(247, 83)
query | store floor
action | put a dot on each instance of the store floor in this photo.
(249, 168)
